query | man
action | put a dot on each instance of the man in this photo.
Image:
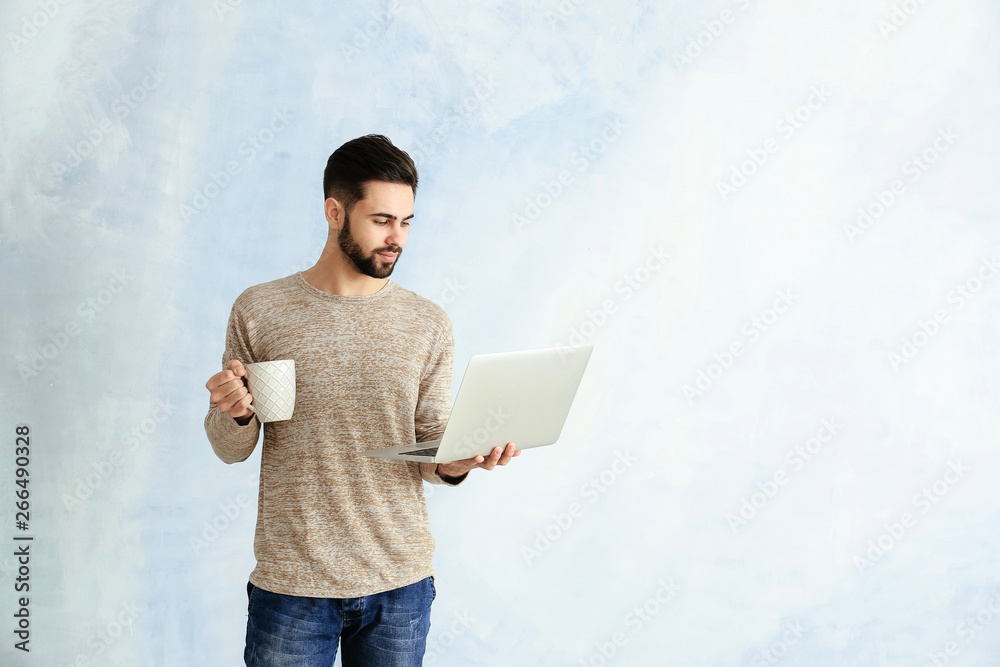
(343, 544)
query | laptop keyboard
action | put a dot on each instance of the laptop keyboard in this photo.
(429, 451)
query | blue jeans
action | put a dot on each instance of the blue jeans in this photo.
(386, 629)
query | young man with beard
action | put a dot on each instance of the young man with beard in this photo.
(343, 545)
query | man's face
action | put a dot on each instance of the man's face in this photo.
(378, 224)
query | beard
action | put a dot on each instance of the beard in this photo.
(370, 264)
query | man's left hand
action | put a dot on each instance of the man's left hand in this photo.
(499, 456)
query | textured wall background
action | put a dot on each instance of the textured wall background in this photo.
(776, 220)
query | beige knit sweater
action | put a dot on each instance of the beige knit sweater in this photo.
(371, 371)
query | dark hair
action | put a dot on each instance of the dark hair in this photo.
(368, 158)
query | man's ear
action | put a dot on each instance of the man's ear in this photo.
(334, 211)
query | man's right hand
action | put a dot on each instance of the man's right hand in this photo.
(230, 394)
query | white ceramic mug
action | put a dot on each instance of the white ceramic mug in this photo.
(272, 386)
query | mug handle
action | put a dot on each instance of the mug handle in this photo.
(246, 383)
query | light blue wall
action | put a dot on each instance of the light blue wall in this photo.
(562, 147)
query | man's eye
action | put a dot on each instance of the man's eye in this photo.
(381, 222)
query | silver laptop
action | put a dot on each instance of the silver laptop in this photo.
(520, 397)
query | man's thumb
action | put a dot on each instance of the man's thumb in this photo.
(237, 367)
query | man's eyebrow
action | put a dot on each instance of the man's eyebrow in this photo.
(387, 215)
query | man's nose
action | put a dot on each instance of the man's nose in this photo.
(394, 239)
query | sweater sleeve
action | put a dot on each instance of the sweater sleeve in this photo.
(434, 401)
(230, 441)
